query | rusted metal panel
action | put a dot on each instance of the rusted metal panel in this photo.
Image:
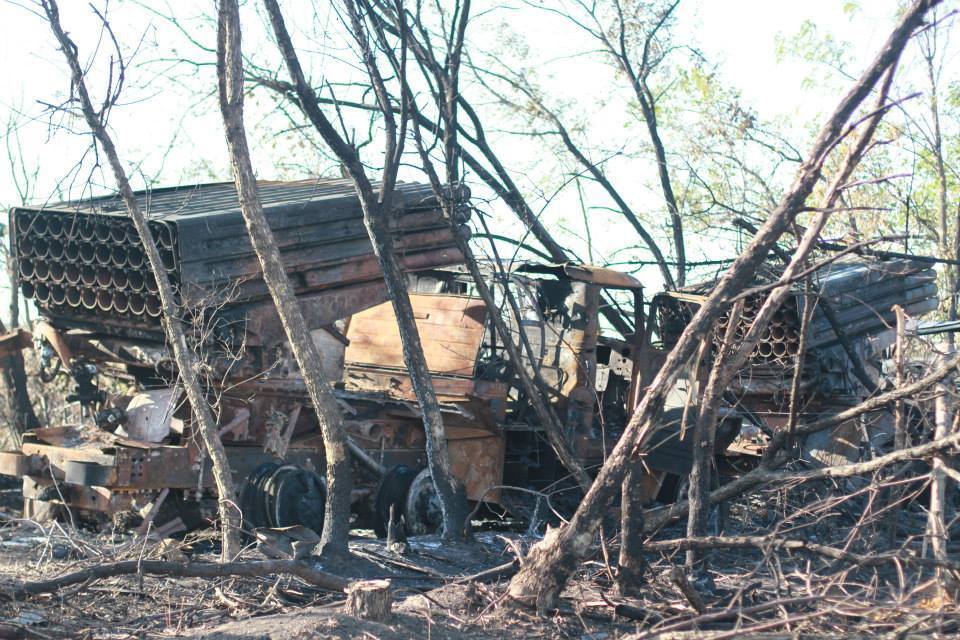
(397, 384)
(262, 324)
(368, 269)
(98, 499)
(16, 463)
(13, 342)
(601, 276)
(451, 330)
(56, 457)
(478, 463)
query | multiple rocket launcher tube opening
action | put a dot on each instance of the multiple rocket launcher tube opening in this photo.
(779, 340)
(861, 295)
(82, 262)
(92, 263)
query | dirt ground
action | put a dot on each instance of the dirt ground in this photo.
(429, 602)
(746, 594)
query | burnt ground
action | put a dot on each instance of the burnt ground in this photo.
(431, 599)
(746, 594)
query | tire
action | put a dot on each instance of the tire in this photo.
(391, 491)
(300, 499)
(252, 504)
(422, 511)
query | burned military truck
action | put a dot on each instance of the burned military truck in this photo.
(131, 445)
(847, 340)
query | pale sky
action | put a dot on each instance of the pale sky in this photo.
(166, 130)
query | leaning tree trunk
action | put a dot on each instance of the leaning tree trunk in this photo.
(533, 386)
(14, 372)
(336, 523)
(937, 529)
(450, 492)
(186, 363)
(731, 358)
(23, 417)
(631, 565)
(705, 435)
(549, 564)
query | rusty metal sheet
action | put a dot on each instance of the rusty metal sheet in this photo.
(592, 274)
(159, 467)
(319, 309)
(367, 269)
(478, 463)
(14, 342)
(396, 384)
(607, 278)
(15, 463)
(451, 329)
(99, 499)
(57, 456)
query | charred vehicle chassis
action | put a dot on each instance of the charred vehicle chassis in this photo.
(131, 445)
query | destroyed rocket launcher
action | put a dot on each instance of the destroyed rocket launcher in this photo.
(858, 294)
(84, 266)
(853, 301)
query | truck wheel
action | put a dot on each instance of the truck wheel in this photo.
(252, 503)
(422, 511)
(297, 496)
(392, 491)
(277, 497)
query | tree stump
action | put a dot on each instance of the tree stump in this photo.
(370, 599)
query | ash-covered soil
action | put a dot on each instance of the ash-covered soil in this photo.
(745, 593)
(433, 596)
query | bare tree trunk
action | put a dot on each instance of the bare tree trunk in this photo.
(730, 361)
(451, 494)
(804, 246)
(929, 48)
(793, 412)
(936, 516)
(549, 564)
(450, 491)
(186, 363)
(336, 523)
(705, 435)
(631, 565)
(23, 417)
(899, 420)
(532, 386)
(14, 372)
(900, 357)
